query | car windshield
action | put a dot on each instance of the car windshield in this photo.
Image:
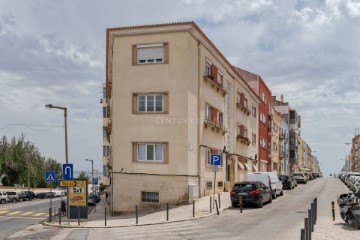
(244, 186)
(282, 177)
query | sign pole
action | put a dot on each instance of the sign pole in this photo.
(214, 186)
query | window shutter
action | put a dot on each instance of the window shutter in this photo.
(241, 130)
(242, 99)
(214, 72)
(213, 115)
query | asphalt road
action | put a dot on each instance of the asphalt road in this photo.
(17, 216)
(281, 219)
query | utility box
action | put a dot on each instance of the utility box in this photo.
(193, 192)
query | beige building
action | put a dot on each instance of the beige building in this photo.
(173, 100)
(274, 132)
(301, 153)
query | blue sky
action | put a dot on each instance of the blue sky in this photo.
(54, 52)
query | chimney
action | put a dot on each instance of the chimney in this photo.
(282, 98)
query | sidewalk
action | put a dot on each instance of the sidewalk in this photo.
(180, 213)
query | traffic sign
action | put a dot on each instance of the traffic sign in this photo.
(95, 180)
(50, 176)
(68, 172)
(215, 160)
(215, 168)
(64, 183)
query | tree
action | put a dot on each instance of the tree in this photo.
(82, 175)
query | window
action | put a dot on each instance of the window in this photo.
(245, 102)
(220, 184)
(104, 92)
(208, 68)
(276, 127)
(245, 132)
(253, 138)
(150, 103)
(241, 130)
(150, 152)
(213, 115)
(254, 110)
(209, 185)
(106, 151)
(150, 53)
(105, 112)
(105, 132)
(150, 197)
(263, 143)
(220, 78)
(262, 118)
(263, 97)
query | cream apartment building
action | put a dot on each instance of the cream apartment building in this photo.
(172, 101)
(274, 132)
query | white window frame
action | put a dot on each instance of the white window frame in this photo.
(154, 102)
(208, 65)
(156, 194)
(207, 112)
(150, 61)
(154, 152)
(220, 78)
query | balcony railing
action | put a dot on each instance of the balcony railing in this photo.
(218, 127)
(242, 108)
(214, 84)
(243, 139)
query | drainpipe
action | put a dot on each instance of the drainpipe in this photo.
(199, 115)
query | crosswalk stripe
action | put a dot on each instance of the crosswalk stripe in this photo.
(13, 213)
(4, 212)
(38, 214)
(27, 213)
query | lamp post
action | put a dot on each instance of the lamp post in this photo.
(66, 150)
(92, 180)
(65, 119)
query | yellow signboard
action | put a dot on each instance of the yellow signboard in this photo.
(78, 194)
(67, 183)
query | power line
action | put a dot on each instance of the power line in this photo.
(30, 126)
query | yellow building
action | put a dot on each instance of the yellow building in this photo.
(172, 101)
(274, 132)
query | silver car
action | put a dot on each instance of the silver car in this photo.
(300, 177)
(3, 197)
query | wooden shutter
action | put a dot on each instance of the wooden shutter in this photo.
(242, 99)
(242, 130)
(214, 72)
(213, 115)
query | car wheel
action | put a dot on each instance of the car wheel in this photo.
(261, 203)
(14, 200)
(270, 199)
(282, 193)
(274, 194)
(234, 204)
(2, 201)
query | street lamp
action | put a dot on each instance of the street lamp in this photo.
(65, 118)
(92, 179)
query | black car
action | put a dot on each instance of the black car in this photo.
(287, 181)
(252, 192)
(42, 195)
(27, 195)
(92, 199)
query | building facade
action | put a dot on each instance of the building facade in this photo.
(172, 101)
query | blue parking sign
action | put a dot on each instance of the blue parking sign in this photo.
(215, 160)
(95, 180)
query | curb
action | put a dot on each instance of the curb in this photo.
(44, 223)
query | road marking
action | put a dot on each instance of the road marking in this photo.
(4, 212)
(5, 217)
(27, 213)
(13, 213)
(39, 214)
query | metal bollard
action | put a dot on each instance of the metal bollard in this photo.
(78, 208)
(312, 217)
(193, 208)
(105, 217)
(59, 213)
(309, 225)
(306, 225)
(241, 204)
(333, 210)
(50, 215)
(210, 204)
(217, 209)
(315, 201)
(303, 237)
(137, 216)
(219, 200)
(167, 211)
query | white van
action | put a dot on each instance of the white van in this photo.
(270, 179)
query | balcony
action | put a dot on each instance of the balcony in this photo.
(281, 154)
(215, 126)
(282, 136)
(243, 108)
(271, 131)
(243, 140)
(214, 84)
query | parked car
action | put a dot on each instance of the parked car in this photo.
(300, 177)
(93, 199)
(41, 195)
(27, 195)
(270, 179)
(13, 197)
(253, 192)
(287, 181)
(3, 197)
